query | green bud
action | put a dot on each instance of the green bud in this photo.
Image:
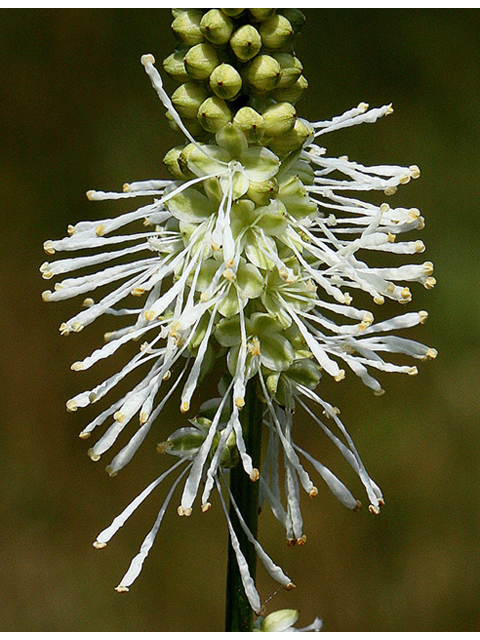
(292, 93)
(233, 13)
(186, 27)
(279, 119)
(296, 18)
(201, 60)
(232, 138)
(262, 73)
(213, 114)
(262, 14)
(250, 122)
(216, 26)
(171, 161)
(262, 192)
(293, 140)
(276, 32)
(184, 442)
(175, 66)
(290, 69)
(246, 42)
(296, 199)
(188, 97)
(225, 82)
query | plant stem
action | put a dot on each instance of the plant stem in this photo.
(239, 615)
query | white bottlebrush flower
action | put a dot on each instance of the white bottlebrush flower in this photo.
(248, 257)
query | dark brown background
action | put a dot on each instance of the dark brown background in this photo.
(77, 112)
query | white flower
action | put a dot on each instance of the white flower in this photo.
(250, 257)
(283, 621)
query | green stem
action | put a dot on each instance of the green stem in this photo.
(239, 615)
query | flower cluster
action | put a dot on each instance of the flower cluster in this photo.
(246, 266)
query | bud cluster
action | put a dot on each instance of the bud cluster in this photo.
(238, 66)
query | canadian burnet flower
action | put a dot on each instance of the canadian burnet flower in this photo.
(244, 265)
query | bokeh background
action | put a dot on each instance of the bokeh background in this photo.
(77, 112)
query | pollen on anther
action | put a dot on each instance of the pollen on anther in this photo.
(255, 475)
(301, 541)
(313, 492)
(121, 589)
(99, 545)
(206, 507)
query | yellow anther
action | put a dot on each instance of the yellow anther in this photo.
(46, 296)
(138, 291)
(406, 294)
(91, 194)
(100, 230)
(340, 376)
(390, 191)
(229, 275)
(301, 541)
(48, 247)
(239, 402)
(430, 283)
(84, 435)
(88, 302)
(414, 171)
(412, 371)
(185, 407)
(119, 416)
(93, 455)
(255, 475)
(373, 509)
(99, 545)
(77, 366)
(313, 492)
(149, 315)
(184, 512)
(391, 237)
(122, 589)
(431, 354)
(423, 316)
(206, 507)
(384, 208)
(419, 246)
(71, 405)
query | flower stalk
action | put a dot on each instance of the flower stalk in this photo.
(245, 495)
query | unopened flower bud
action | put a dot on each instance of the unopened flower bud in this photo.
(279, 119)
(175, 67)
(276, 32)
(250, 122)
(246, 42)
(293, 140)
(225, 81)
(262, 73)
(186, 27)
(233, 13)
(262, 14)
(216, 26)
(262, 192)
(171, 161)
(293, 93)
(296, 18)
(188, 97)
(290, 69)
(213, 114)
(201, 60)
(232, 138)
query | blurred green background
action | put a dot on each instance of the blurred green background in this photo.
(77, 112)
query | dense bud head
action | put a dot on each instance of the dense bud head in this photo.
(250, 122)
(213, 114)
(188, 97)
(262, 14)
(262, 73)
(292, 93)
(279, 119)
(290, 69)
(246, 42)
(201, 60)
(186, 27)
(276, 32)
(216, 26)
(175, 67)
(225, 81)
